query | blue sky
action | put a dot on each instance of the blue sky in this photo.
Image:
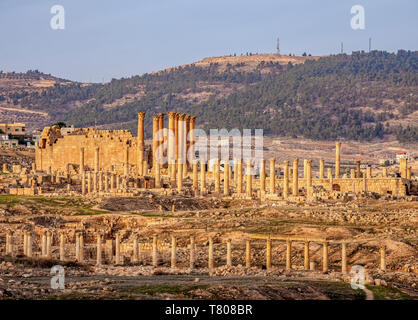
(113, 39)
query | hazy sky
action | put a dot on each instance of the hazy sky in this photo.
(113, 39)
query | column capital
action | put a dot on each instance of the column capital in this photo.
(141, 115)
(172, 114)
(181, 116)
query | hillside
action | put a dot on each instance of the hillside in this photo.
(359, 96)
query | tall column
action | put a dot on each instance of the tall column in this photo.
(62, 246)
(99, 250)
(325, 256)
(88, 181)
(288, 254)
(286, 179)
(106, 182)
(176, 136)
(81, 235)
(29, 244)
(195, 175)
(272, 176)
(95, 186)
(217, 175)
(25, 242)
(155, 127)
(81, 160)
(112, 182)
(369, 172)
(226, 177)
(77, 246)
(96, 159)
(403, 164)
(154, 251)
(186, 137)
(344, 257)
(306, 256)
(305, 161)
(228, 253)
(117, 248)
(239, 167)
(157, 176)
(136, 249)
(126, 166)
(337, 159)
(173, 251)
(192, 136)
(268, 254)
(352, 174)
(161, 136)
(171, 144)
(247, 254)
(192, 252)
(382, 258)
(210, 255)
(140, 143)
(83, 183)
(181, 149)
(179, 177)
(295, 186)
(262, 175)
(9, 242)
(100, 181)
(202, 176)
(321, 168)
(358, 169)
(48, 243)
(309, 192)
(249, 188)
(408, 173)
(44, 244)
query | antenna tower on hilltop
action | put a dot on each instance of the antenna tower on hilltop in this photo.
(278, 46)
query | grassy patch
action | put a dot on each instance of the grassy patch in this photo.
(178, 290)
(388, 293)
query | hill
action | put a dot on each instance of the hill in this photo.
(359, 96)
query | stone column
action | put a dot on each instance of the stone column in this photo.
(217, 175)
(309, 192)
(81, 159)
(288, 254)
(117, 182)
(140, 143)
(9, 242)
(136, 249)
(154, 252)
(403, 162)
(262, 175)
(173, 252)
(210, 255)
(112, 182)
(157, 176)
(145, 167)
(369, 172)
(226, 177)
(358, 169)
(192, 136)
(171, 144)
(117, 248)
(329, 176)
(268, 254)
(192, 252)
(352, 174)
(295, 186)
(202, 177)
(337, 159)
(77, 246)
(96, 159)
(100, 181)
(179, 177)
(25, 242)
(321, 168)
(44, 244)
(235, 172)
(382, 258)
(306, 255)
(408, 173)
(239, 167)
(160, 137)
(29, 244)
(81, 236)
(181, 149)
(106, 182)
(304, 167)
(228, 253)
(272, 176)
(344, 258)
(325, 256)
(83, 183)
(286, 179)
(249, 188)
(247, 254)
(95, 189)
(99, 250)
(186, 139)
(126, 166)
(176, 136)
(155, 127)
(5, 168)
(62, 246)
(88, 182)
(195, 175)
